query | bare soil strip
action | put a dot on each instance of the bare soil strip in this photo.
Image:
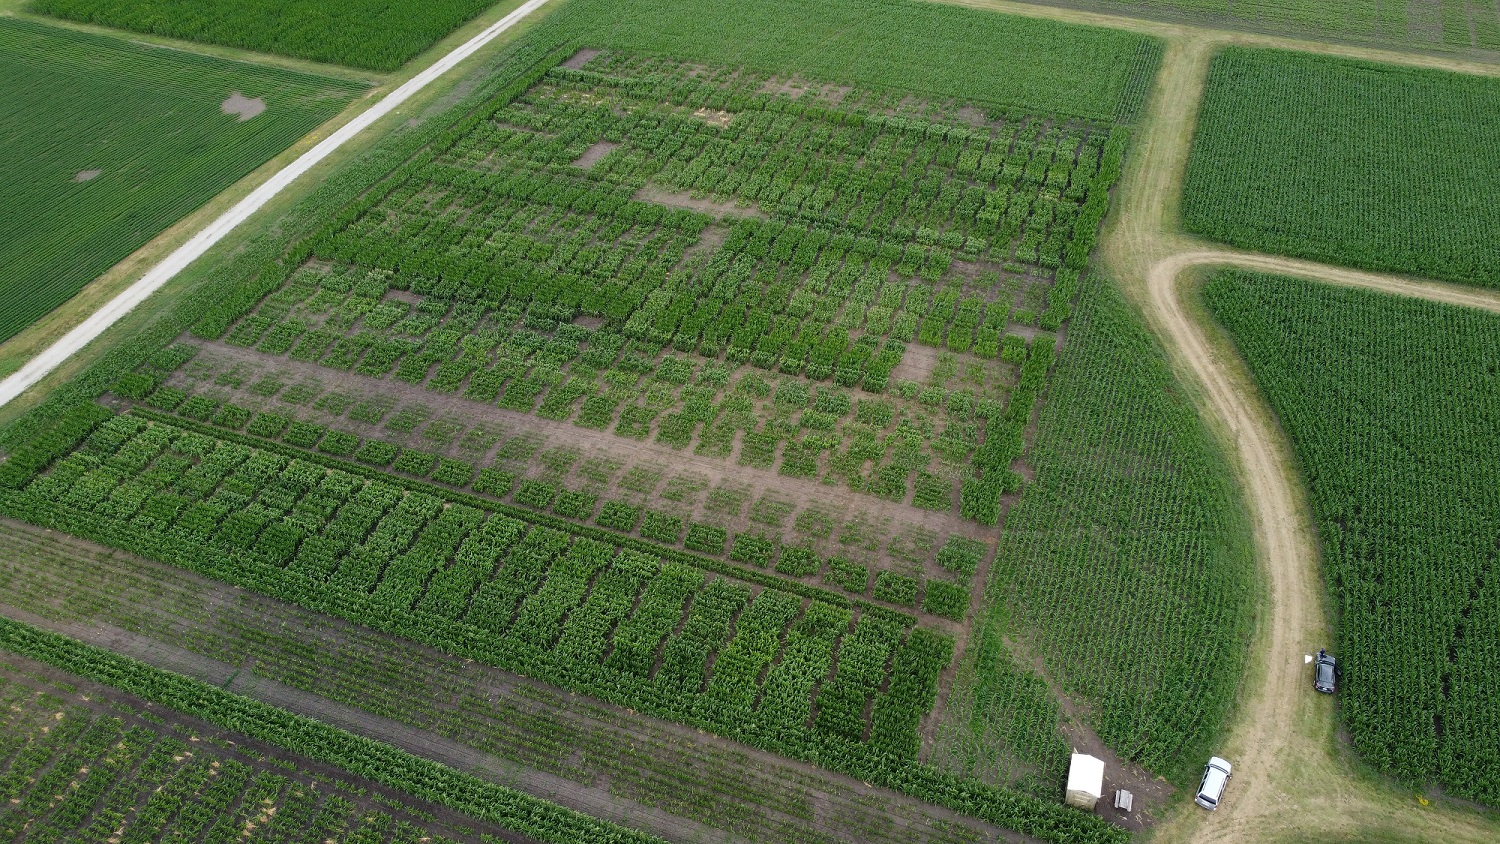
(715, 471)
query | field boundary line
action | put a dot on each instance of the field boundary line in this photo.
(101, 320)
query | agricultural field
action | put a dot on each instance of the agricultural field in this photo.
(1394, 169)
(1390, 404)
(106, 143)
(1438, 25)
(1127, 478)
(145, 772)
(135, 773)
(586, 754)
(702, 384)
(367, 34)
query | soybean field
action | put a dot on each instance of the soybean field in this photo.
(106, 143)
(1370, 166)
(1391, 404)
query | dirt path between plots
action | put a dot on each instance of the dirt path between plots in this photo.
(116, 309)
(715, 471)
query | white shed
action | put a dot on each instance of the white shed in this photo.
(1085, 781)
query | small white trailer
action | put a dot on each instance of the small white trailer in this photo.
(1085, 781)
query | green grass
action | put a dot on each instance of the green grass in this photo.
(933, 50)
(1125, 568)
(1366, 165)
(1393, 409)
(368, 34)
(1444, 25)
(149, 120)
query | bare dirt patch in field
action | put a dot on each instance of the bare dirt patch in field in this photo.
(916, 365)
(715, 117)
(580, 58)
(243, 106)
(594, 153)
(86, 175)
(673, 199)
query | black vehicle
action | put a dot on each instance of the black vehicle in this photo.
(1325, 673)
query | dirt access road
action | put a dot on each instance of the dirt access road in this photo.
(100, 321)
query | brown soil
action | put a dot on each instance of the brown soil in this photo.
(243, 106)
(916, 364)
(673, 199)
(256, 646)
(789, 87)
(594, 153)
(579, 59)
(394, 295)
(714, 117)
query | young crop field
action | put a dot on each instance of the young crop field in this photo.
(1370, 166)
(369, 34)
(184, 791)
(1390, 404)
(106, 143)
(82, 762)
(588, 755)
(1118, 571)
(649, 261)
(687, 372)
(1446, 25)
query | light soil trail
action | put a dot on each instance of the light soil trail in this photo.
(100, 321)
